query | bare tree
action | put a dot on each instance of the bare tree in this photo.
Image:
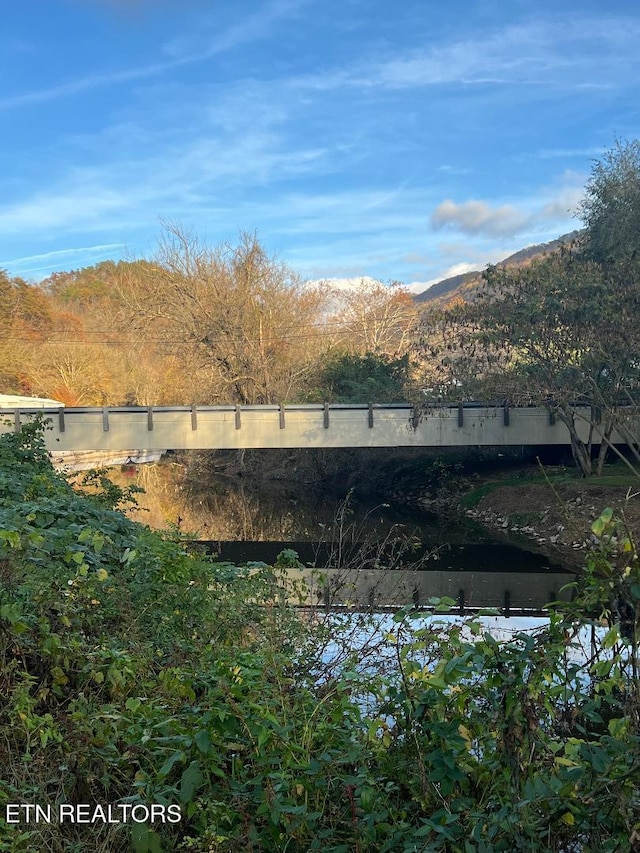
(376, 318)
(242, 323)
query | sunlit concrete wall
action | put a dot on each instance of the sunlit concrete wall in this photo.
(293, 426)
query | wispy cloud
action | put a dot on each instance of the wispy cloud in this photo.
(583, 52)
(60, 254)
(562, 153)
(43, 262)
(255, 27)
(350, 152)
(194, 172)
(85, 84)
(180, 53)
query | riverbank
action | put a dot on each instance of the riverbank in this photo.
(553, 510)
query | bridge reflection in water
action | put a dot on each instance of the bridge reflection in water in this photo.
(475, 577)
(512, 593)
(155, 429)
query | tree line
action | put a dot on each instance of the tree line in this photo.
(229, 324)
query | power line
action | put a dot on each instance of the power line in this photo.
(284, 336)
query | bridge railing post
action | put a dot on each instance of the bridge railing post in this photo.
(461, 602)
(507, 604)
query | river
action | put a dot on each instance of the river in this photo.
(253, 519)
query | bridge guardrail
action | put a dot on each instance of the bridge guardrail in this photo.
(326, 425)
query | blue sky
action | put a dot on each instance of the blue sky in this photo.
(400, 140)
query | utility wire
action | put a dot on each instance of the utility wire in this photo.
(284, 336)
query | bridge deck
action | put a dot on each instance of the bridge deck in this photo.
(313, 425)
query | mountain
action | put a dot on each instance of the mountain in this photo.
(463, 285)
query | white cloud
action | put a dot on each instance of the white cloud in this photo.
(552, 206)
(479, 217)
(418, 287)
(449, 272)
(565, 204)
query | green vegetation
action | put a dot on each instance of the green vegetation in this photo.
(613, 475)
(349, 378)
(133, 673)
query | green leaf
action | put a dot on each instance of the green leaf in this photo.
(618, 727)
(10, 538)
(145, 840)
(600, 524)
(166, 768)
(597, 757)
(203, 741)
(190, 782)
(10, 612)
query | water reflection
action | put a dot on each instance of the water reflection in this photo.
(242, 523)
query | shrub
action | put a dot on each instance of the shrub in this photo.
(134, 672)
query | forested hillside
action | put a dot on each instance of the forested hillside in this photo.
(466, 285)
(217, 325)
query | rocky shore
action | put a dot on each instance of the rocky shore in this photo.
(556, 519)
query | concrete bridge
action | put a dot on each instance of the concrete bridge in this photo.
(142, 433)
(293, 426)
